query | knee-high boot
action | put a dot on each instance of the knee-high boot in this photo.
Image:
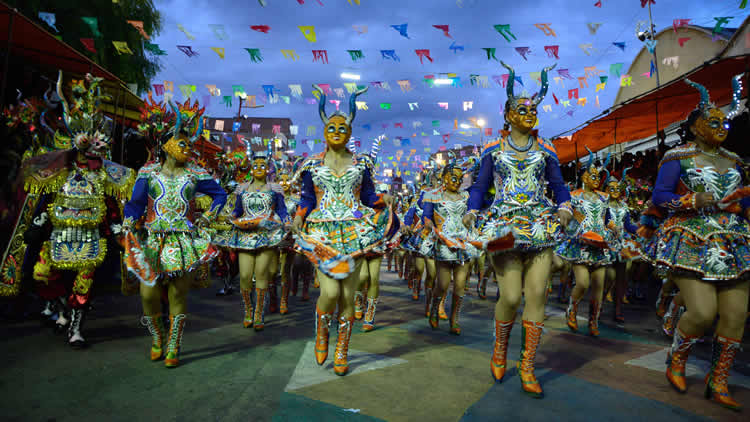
(156, 328)
(717, 380)
(176, 326)
(595, 309)
(434, 313)
(247, 302)
(260, 305)
(571, 314)
(369, 323)
(677, 359)
(455, 314)
(359, 299)
(341, 363)
(322, 327)
(500, 351)
(441, 309)
(532, 334)
(75, 338)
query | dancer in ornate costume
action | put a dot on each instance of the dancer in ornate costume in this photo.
(290, 261)
(337, 225)
(624, 248)
(414, 236)
(226, 262)
(704, 242)
(167, 253)
(520, 173)
(259, 228)
(450, 244)
(586, 248)
(79, 201)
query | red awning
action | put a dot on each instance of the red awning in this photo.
(637, 118)
(38, 46)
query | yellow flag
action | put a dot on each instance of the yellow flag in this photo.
(600, 86)
(122, 47)
(219, 51)
(309, 33)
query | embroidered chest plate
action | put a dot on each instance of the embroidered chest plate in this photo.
(708, 179)
(593, 210)
(519, 182)
(257, 204)
(337, 195)
(80, 201)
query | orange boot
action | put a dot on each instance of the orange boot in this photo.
(154, 325)
(260, 305)
(284, 306)
(322, 326)
(369, 323)
(434, 316)
(595, 308)
(176, 325)
(340, 363)
(722, 358)
(532, 333)
(441, 309)
(455, 314)
(670, 318)
(677, 358)
(500, 351)
(247, 300)
(359, 298)
(427, 301)
(571, 314)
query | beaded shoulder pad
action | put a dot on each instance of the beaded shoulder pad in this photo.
(492, 146)
(148, 169)
(311, 163)
(45, 173)
(367, 160)
(197, 171)
(548, 147)
(679, 153)
(120, 180)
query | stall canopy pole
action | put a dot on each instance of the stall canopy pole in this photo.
(7, 58)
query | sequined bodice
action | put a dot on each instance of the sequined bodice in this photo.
(593, 209)
(520, 182)
(449, 214)
(257, 204)
(708, 179)
(617, 213)
(171, 196)
(337, 195)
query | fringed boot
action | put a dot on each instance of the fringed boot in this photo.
(571, 314)
(369, 323)
(155, 327)
(260, 307)
(455, 314)
(176, 326)
(532, 334)
(723, 352)
(247, 301)
(595, 309)
(340, 363)
(322, 327)
(677, 358)
(500, 351)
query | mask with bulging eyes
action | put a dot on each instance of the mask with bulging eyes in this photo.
(614, 190)
(523, 115)
(591, 178)
(452, 179)
(259, 168)
(178, 148)
(337, 132)
(714, 128)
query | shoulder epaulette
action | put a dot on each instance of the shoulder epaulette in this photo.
(548, 147)
(491, 147)
(679, 153)
(148, 168)
(120, 180)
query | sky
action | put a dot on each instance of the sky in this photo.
(470, 25)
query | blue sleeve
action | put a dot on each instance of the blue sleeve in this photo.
(215, 191)
(409, 216)
(556, 182)
(307, 195)
(480, 186)
(238, 209)
(138, 200)
(428, 211)
(629, 226)
(666, 184)
(279, 206)
(367, 192)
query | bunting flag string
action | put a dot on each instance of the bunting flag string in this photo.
(93, 24)
(50, 19)
(154, 49)
(138, 25)
(185, 31)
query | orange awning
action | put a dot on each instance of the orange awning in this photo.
(644, 116)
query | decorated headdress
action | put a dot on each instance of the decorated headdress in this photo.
(590, 162)
(84, 118)
(352, 106)
(705, 105)
(536, 98)
(375, 150)
(156, 121)
(189, 120)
